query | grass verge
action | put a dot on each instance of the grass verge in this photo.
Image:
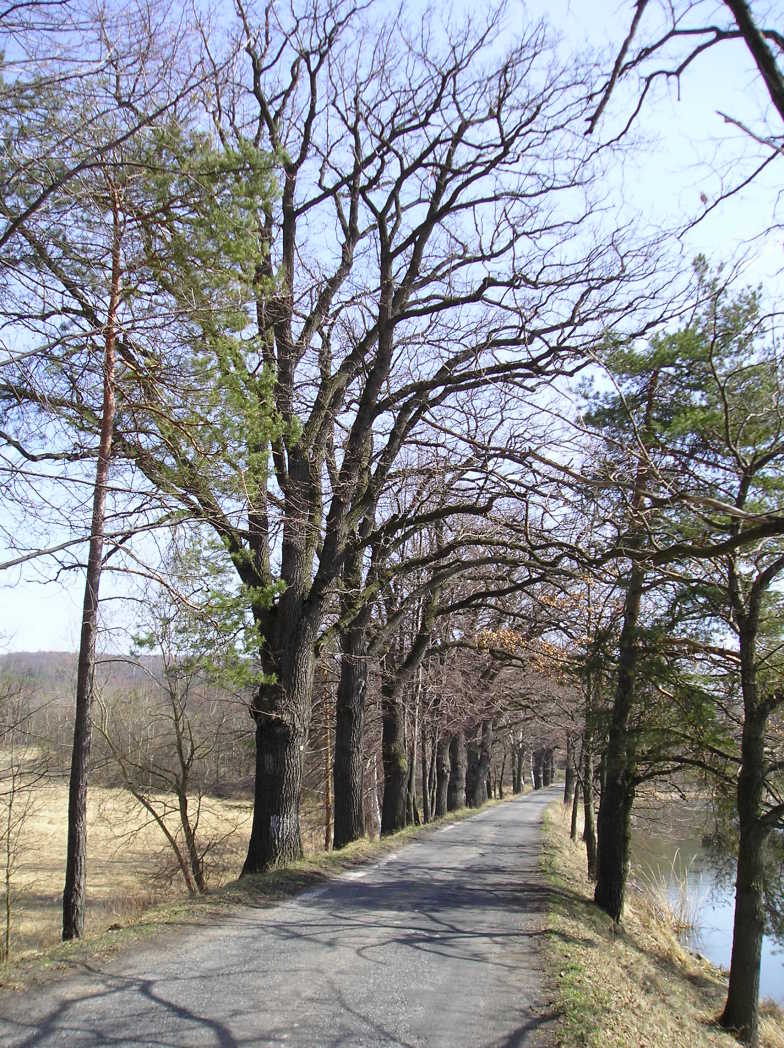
(175, 918)
(628, 987)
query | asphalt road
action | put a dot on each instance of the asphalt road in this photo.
(436, 945)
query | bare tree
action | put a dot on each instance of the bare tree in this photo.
(22, 769)
(666, 40)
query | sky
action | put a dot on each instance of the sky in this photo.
(680, 160)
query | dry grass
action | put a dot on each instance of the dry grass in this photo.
(123, 910)
(635, 987)
(130, 866)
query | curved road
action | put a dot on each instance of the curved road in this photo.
(436, 945)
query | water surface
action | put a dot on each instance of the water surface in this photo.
(710, 900)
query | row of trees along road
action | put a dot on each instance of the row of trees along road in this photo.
(307, 290)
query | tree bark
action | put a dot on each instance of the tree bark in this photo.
(412, 813)
(518, 773)
(741, 1010)
(426, 816)
(74, 892)
(475, 785)
(538, 768)
(442, 774)
(615, 808)
(328, 772)
(548, 767)
(275, 832)
(614, 822)
(456, 790)
(589, 827)
(349, 728)
(573, 819)
(394, 759)
(282, 714)
(478, 753)
(569, 770)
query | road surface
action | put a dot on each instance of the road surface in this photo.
(436, 945)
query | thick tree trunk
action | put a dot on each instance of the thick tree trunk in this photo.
(486, 753)
(589, 827)
(282, 714)
(426, 816)
(538, 768)
(548, 767)
(412, 813)
(741, 1010)
(614, 822)
(442, 774)
(349, 727)
(478, 753)
(74, 892)
(328, 771)
(615, 808)
(569, 771)
(395, 761)
(456, 790)
(275, 833)
(573, 819)
(518, 771)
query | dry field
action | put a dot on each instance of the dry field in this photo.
(130, 866)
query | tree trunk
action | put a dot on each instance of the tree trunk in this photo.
(395, 761)
(196, 861)
(538, 767)
(74, 892)
(741, 1010)
(589, 827)
(328, 805)
(614, 822)
(569, 770)
(442, 774)
(349, 728)
(478, 753)
(486, 753)
(425, 776)
(373, 798)
(518, 773)
(575, 810)
(431, 775)
(456, 789)
(275, 833)
(412, 814)
(615, 808)
(475, 788)
(547, 767)
(282, 713)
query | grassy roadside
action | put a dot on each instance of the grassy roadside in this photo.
(636, 987)
(175, 918)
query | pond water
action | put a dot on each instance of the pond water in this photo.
(691, 879)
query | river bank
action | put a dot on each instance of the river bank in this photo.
(687, 877)
(637, 987)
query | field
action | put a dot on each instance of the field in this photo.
(130, 865)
